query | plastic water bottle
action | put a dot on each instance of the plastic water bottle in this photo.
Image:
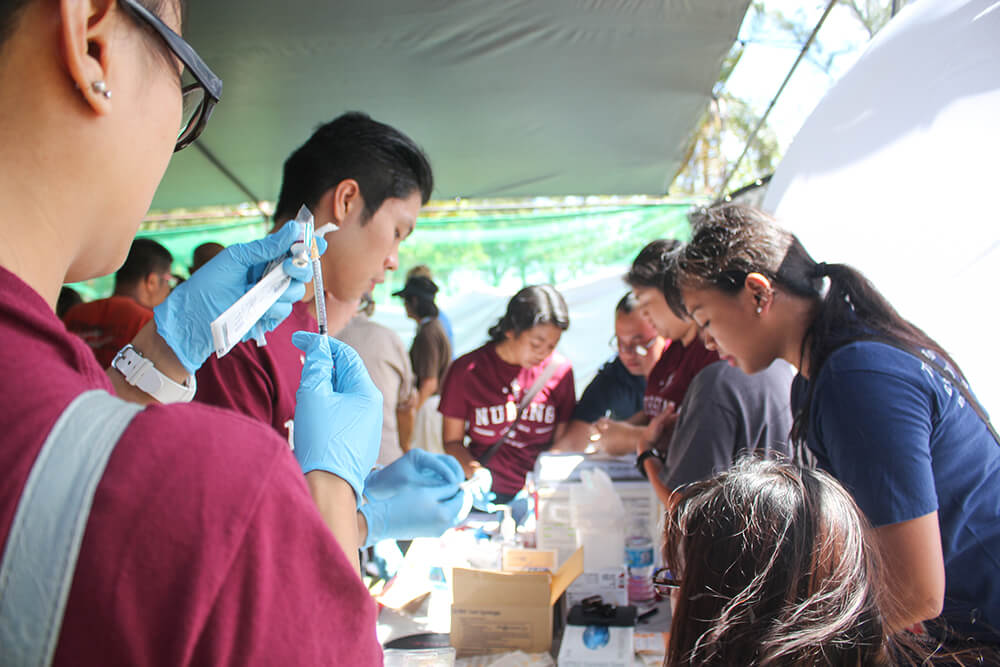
(639, 559)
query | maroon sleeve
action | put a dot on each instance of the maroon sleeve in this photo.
(452, 391)
(291, 597)
(239, 381)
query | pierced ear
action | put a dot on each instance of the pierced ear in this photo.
(761, 289)
(85, 30)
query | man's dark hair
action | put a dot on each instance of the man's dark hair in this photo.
(627, 304)
(384, 161)
(68, 297)
(203, 253)
(652, 263)
(144, 257)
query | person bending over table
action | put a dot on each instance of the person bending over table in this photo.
(881, 406)
(617, 391)
(725, 414)
(678, 364)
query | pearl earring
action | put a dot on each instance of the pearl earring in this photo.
(101, 88)
(759, 309)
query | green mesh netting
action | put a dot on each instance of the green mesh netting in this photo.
(484, 250)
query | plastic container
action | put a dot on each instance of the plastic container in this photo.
(639, 559)
(598, 517)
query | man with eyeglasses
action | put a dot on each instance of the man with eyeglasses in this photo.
(670, 377)
(616, 392)
(141, 284)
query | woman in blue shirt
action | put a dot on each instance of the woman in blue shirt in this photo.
(878, 403)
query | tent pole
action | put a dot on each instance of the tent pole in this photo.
(763, 118)
(217, 163)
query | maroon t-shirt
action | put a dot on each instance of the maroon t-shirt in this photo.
(260, 382)
(670, 377)
(203, 546)
(484, 390)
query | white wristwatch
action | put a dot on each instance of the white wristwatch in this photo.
(140, 372)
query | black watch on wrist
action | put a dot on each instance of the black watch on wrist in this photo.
(641, 460)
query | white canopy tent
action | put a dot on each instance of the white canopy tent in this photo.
(893, 173)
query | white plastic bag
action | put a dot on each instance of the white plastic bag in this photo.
(598, 516)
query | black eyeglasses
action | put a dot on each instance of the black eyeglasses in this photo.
(198, 98)
(640, 349)
(663, 582)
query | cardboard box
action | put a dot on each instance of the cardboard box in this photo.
(529, 560)
(505, 611)
(610, 583)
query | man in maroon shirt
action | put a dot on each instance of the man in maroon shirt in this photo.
(342, 175)
(143, 282)
(370, 180)
(680, 362)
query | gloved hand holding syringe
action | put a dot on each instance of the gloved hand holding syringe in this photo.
(232, 325)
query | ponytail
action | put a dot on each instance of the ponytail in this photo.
(852, 309)
(731, 241)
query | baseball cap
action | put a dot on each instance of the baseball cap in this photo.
(418, 286)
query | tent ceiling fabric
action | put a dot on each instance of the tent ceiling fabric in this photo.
(516, 98)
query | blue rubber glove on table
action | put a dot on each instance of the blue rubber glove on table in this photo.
(183, 320)
(338, 411)
(416, 467)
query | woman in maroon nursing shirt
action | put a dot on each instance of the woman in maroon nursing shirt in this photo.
(483, 389)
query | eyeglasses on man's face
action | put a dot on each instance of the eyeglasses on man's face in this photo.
(640, 349)
(664, 582)
(200, 97)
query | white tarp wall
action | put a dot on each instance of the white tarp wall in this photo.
(894, 172)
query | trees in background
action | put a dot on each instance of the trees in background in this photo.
(729, 119)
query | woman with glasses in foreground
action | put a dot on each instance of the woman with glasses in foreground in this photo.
(198, 541)
(770, 564)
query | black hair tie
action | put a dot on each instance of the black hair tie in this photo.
(822, 270)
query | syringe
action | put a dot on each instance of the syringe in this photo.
(320, 294)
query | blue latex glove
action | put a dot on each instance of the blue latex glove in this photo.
(416, 511)
(183, 319)
(416, 467)
(480, 487)
(338, 411)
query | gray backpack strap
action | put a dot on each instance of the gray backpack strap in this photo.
(44, 541)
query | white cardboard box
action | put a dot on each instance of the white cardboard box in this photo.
(610, 583)
(596, 646)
